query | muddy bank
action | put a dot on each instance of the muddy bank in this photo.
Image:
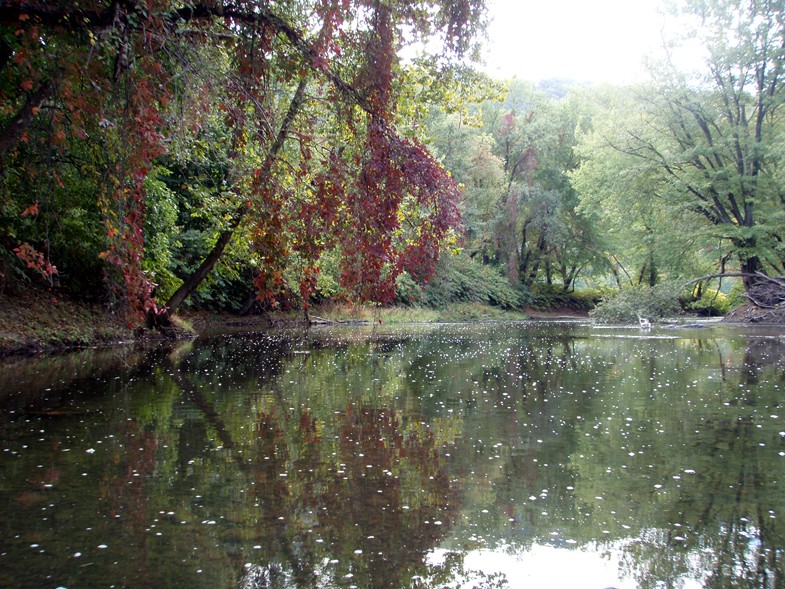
(751, 314)
(33, 321)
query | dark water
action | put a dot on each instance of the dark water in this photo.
(491, 455)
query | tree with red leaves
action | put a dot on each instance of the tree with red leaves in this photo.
(308, 98)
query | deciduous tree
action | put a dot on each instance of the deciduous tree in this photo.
(708, 146)
(113, 71)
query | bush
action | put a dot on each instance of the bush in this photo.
(547, 298)
(711, 304)
(737, 295)
(626, 305)
(407, 291)
(459, 279)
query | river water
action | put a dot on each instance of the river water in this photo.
(487, 455)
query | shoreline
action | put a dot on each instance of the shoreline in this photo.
(37, 322)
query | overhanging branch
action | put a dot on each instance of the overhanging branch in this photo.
(722, 275)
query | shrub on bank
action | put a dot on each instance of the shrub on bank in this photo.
(460, 279)
(711, 303)
(548, 298)
(626, 305)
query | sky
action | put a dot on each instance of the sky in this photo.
(583, 40)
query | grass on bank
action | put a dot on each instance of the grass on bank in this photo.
(34, 320)
(456, 312)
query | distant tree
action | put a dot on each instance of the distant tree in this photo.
(624, 199)
(707, 150)
(512, 153)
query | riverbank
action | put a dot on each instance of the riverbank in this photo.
(35, 321)
(360, 313)
(750, 314)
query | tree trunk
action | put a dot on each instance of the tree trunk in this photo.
(749, 267)
(193, 281)
(568, 276)
(535, 267)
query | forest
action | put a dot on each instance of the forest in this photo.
(245, 156)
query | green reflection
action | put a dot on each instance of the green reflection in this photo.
(392, 458)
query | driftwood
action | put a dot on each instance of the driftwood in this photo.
(320, 321)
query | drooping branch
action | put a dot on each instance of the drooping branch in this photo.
(767, 292)
(722, 275)
(309, 53)
(72, 17)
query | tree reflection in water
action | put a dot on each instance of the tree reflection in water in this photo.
(347, 519)
(463, 456)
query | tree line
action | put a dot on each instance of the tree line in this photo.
(142, 141)
(663, 181)
(241, 154)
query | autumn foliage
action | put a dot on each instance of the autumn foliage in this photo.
(97, 96)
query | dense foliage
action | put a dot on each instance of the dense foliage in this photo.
(251, 154)
(139, 138)
(678, 178)
(649, 302)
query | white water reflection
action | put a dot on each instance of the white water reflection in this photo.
(547, 567)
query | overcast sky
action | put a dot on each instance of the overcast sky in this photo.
(583, 40)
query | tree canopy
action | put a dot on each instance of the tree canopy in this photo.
(277, 153)
(276, 119)
(701, 154)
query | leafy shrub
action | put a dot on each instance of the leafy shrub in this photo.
(223, 291)
(546, 298)
(459, 279)
(712, 303)
(407, 291)
(737, 295)
(626, 305)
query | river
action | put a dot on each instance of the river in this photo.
(489, 455)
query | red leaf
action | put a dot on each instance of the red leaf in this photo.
(31, 210)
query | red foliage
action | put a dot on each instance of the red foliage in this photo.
(398, 174)
(32, 210)
(142, 143)
(117, 87)
(35, 260)
(360, 209)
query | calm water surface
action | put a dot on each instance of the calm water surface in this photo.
(489, 455)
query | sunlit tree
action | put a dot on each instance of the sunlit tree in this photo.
(705, 150)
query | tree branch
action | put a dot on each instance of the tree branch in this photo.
(195, 279)
(70, 17)
(16, 127)
(718, 275)
(776, 280)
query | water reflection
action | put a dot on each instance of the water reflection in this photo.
(491, 455)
